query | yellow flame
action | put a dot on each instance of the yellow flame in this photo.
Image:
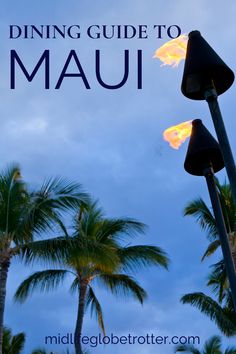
(173, 51)
(177, 134)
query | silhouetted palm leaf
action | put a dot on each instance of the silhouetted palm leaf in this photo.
(212, 346)
(224, 317)
(12, 344)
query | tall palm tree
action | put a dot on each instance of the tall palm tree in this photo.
(206, 219)
(212, 345)
(26, 214)
(95, 254)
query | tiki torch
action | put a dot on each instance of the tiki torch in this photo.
(206, 77)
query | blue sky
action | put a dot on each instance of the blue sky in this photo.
(111, 141)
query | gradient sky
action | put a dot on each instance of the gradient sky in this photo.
(111, 142)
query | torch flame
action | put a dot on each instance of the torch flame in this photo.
(177, 134)
(173, 51)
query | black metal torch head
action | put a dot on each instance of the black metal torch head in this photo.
(204, 69)
(203, 151)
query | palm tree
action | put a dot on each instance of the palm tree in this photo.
(12, 344)
(221, 310)
(206, 219)
(26, 214)
(95, 254)
(212, 345)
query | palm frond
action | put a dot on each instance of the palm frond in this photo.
(12, 344)
(123, 285)
(187, 348)
(86, 251)
(14, 200)
(75, 286)
(89, 215)
(56, 196)
(43, 281)
(221, 316)
(204, 217)
(7, 336)
(227, 204)
(62, 193)
(47, 251)
(213, 246)
(218, 280)
(17, 343)
(135, 257)
(96, 308)
(228, 303)
(94, 223)
(119, 228)
(230, 350)
(213, 345)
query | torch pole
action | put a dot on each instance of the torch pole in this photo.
(228, 260)
(211, 98)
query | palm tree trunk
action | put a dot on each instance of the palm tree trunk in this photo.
(4, 266)
(80, 317)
